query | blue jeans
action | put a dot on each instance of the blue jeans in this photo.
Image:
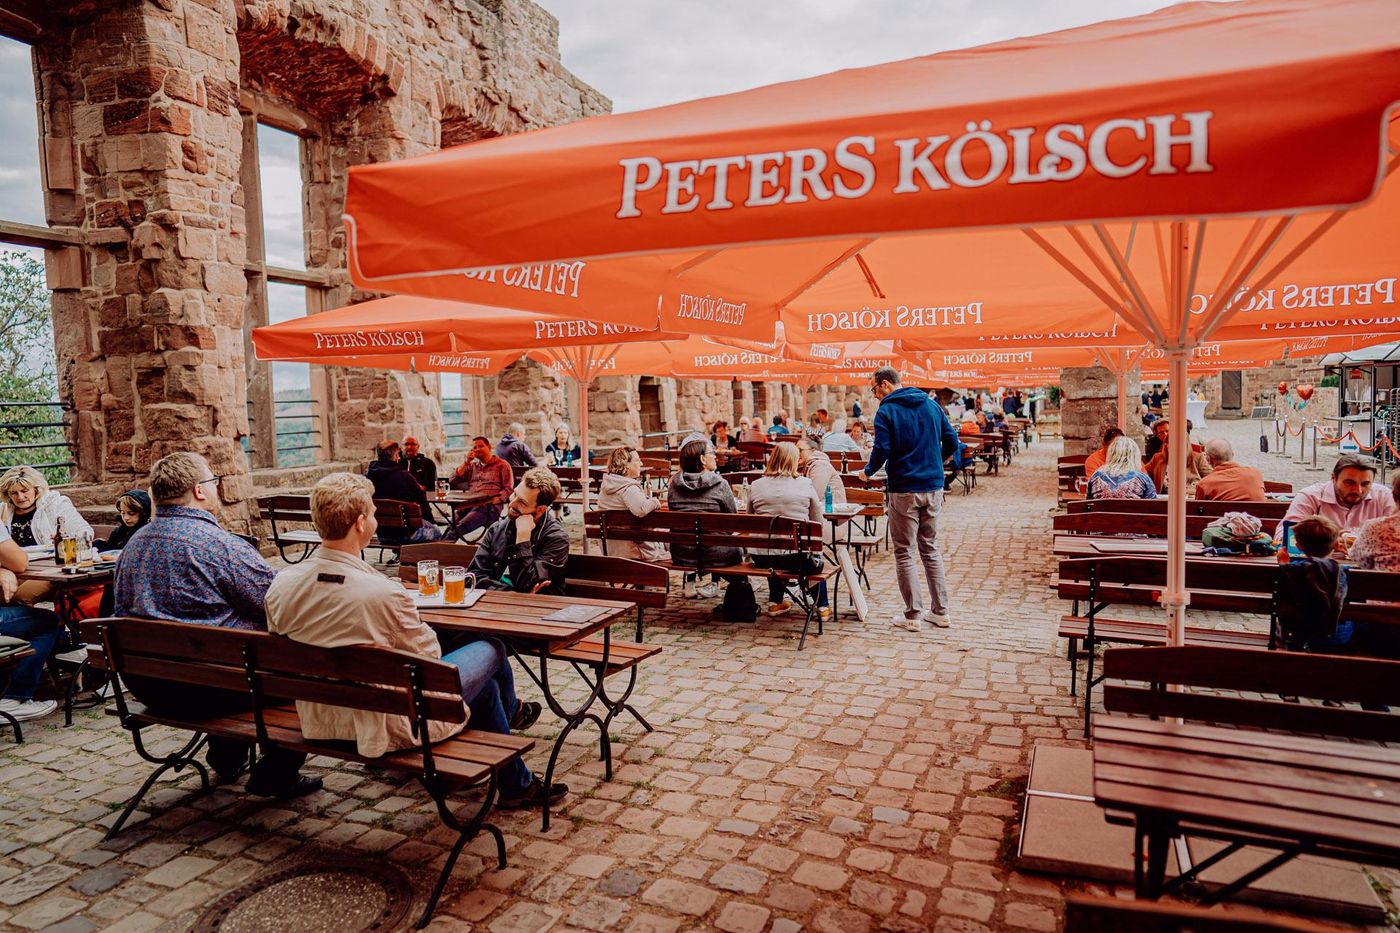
(479, 517)
(489, 689)
(41, 628)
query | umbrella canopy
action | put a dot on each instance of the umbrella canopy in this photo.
(1237, 118)
(1179, 113)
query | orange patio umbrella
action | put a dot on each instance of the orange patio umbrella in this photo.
(1119, 170)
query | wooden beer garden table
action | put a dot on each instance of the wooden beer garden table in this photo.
(518, 620)
(455, 499)
(68, 588)
(1292, 794)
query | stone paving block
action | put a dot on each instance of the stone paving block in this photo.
(680, 896)
(32, 883)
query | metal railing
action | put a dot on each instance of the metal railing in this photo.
(18, 437)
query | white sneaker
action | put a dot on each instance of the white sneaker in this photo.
(707, 590)
(936, 619)
(24, 710)
(908, 625)
(76, 656)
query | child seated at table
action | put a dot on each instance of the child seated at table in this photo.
(1312, 589)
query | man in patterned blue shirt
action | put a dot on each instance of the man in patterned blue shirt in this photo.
(183, 567)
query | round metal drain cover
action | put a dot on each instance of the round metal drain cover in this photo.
(330, 895)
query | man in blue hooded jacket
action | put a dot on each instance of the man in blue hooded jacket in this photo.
(911, 435)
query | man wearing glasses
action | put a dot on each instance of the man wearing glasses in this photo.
(183, 567)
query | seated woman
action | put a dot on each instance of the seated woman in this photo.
(622, 489)
(861, 435)
(782, 492)
(560, 452)
(698, 488)
(816, 466)
(1121, 476)
(1377, 545)
(969, 424)
(32, 513)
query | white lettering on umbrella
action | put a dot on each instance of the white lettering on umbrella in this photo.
(711, 308)
(980, 156)
(558, 278)
(442, 360)
(378, 339)
(1300, 297)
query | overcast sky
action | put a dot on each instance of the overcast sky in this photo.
(646, 53)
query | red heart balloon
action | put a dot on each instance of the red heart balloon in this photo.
(1283, 388)
(1305, 392)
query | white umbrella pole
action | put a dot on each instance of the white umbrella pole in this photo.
(1122, 399)
(1175, 597)
(582, 373)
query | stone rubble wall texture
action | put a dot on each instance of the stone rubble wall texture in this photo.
(152, 350)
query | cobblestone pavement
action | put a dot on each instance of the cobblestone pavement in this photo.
(868, 782)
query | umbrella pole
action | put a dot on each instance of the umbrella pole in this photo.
(1175, 597)
(1122, 399)
(582, 373)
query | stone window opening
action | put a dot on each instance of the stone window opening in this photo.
(288, 403)
(36, 164)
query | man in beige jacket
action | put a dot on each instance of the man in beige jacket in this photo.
(334, 598)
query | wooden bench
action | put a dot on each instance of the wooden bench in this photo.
(263, 666)
(590, 576)
(282, 510)
(1071, 470)
(8, 663)
(1238, 687)
(1266, 510)
(1221, 584)
(1085, 914)
(1199, 768)
(703, 530)
(1126, 523)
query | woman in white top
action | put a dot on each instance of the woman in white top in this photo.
(33, 512)
(622, 489)
(782, 492)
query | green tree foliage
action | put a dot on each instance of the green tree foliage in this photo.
(28, 386)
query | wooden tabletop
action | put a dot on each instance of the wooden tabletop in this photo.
(519, 618)
(459, 497)
(44, 569)
(1114, 546)
(1343, 796)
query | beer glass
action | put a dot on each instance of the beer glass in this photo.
(442, 489)
(70, 551)
(454, 585)
(85, 551)
(428, 577)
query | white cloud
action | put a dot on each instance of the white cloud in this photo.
(647, 53)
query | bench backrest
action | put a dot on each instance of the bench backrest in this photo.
(1266, 510)
(1219, 584)
(597, 576)
(264, 666)
(705, 529)
(1126, 523)
(858, 480)
(393, 514)
(1271, 674)
(1271, 486)
(1373, 596)
(285, 509)
(1085, 914)
(446, 553)
(860, 495)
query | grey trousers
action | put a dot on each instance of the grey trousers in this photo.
(913, 518)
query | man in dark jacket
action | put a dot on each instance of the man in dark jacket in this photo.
(911, 435)
(392, 482)
(527, 549)
(513, 449)
(417, 465)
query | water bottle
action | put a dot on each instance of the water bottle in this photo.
(827, 505)
(744, 493)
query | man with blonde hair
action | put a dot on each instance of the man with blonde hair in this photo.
(527, 549)
(183, 567)
(334, 599)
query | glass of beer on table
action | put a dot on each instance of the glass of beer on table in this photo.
(441, 488)
(428, 581)
(454, 585)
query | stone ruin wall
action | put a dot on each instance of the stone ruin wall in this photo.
(1089, 406)
(144, 108)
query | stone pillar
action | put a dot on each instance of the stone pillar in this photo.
(1089, 406)
(614, 411)
(151, 348)
(701, 402)
(742, 406)
(531, 394)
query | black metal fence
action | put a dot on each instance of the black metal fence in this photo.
(33, 434)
